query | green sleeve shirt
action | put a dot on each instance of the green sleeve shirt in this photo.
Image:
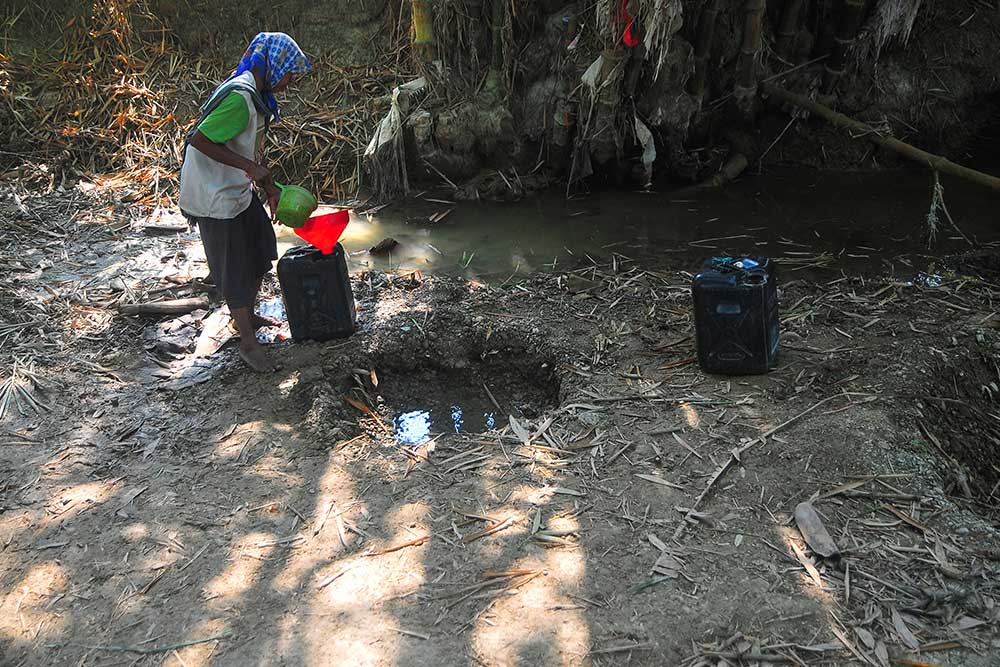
(227, 121)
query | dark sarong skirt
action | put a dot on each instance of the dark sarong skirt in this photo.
(240, 252)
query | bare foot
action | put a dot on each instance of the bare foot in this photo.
(262, 322)
(256, 357)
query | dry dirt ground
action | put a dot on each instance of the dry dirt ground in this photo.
(633, 511)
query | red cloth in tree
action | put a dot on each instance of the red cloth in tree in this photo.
(629, 37)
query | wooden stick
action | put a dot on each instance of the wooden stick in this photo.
(157, 649)
(412, 543)
(937, 162)
(472, 537)
(173, 307)
(752, 656)
(623, 649)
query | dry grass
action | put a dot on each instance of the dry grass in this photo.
(117, 96)
(891, 20)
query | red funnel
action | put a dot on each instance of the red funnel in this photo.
(323, 231)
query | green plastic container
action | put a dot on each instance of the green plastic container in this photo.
(295, 206)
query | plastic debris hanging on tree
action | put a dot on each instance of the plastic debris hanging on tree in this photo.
(385, 154)
(645, 139)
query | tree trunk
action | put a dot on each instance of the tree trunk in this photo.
(424, 45)
(747, 78)
(174, 307)
(703, 47)
(851, 15)
(789, 30)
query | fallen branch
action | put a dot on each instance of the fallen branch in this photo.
(496, 528)
(173, 307)
(752, 656)
(164, 229)
(623, 649)
(936, 162)
(388, 550)
(156, 649)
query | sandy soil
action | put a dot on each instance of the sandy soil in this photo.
(634, 510)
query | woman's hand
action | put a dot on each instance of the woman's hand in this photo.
(260, 175)
(273, 195)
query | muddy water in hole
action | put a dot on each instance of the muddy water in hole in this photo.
(863, 222)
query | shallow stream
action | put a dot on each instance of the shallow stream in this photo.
(817, 225)
(811, 221)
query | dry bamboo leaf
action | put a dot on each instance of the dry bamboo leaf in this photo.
(903, 632)
(866, 638)
(843, 488)
(850, 646)
(130, 496)
(882, 653)
(519, 430)
(810, 568)
(892, 509)
(656, 542)
(659, 480)
(686, 446)
(666, 565)
(967, 623)
(814, 532)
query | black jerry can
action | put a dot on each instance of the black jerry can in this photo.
(736, 315)
(317, 292)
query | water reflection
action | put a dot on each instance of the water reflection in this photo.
(414, 427)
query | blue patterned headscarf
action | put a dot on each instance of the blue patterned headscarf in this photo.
(273, 54)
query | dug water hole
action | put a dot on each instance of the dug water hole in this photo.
(431, 400)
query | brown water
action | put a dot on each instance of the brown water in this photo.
(816, 223)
